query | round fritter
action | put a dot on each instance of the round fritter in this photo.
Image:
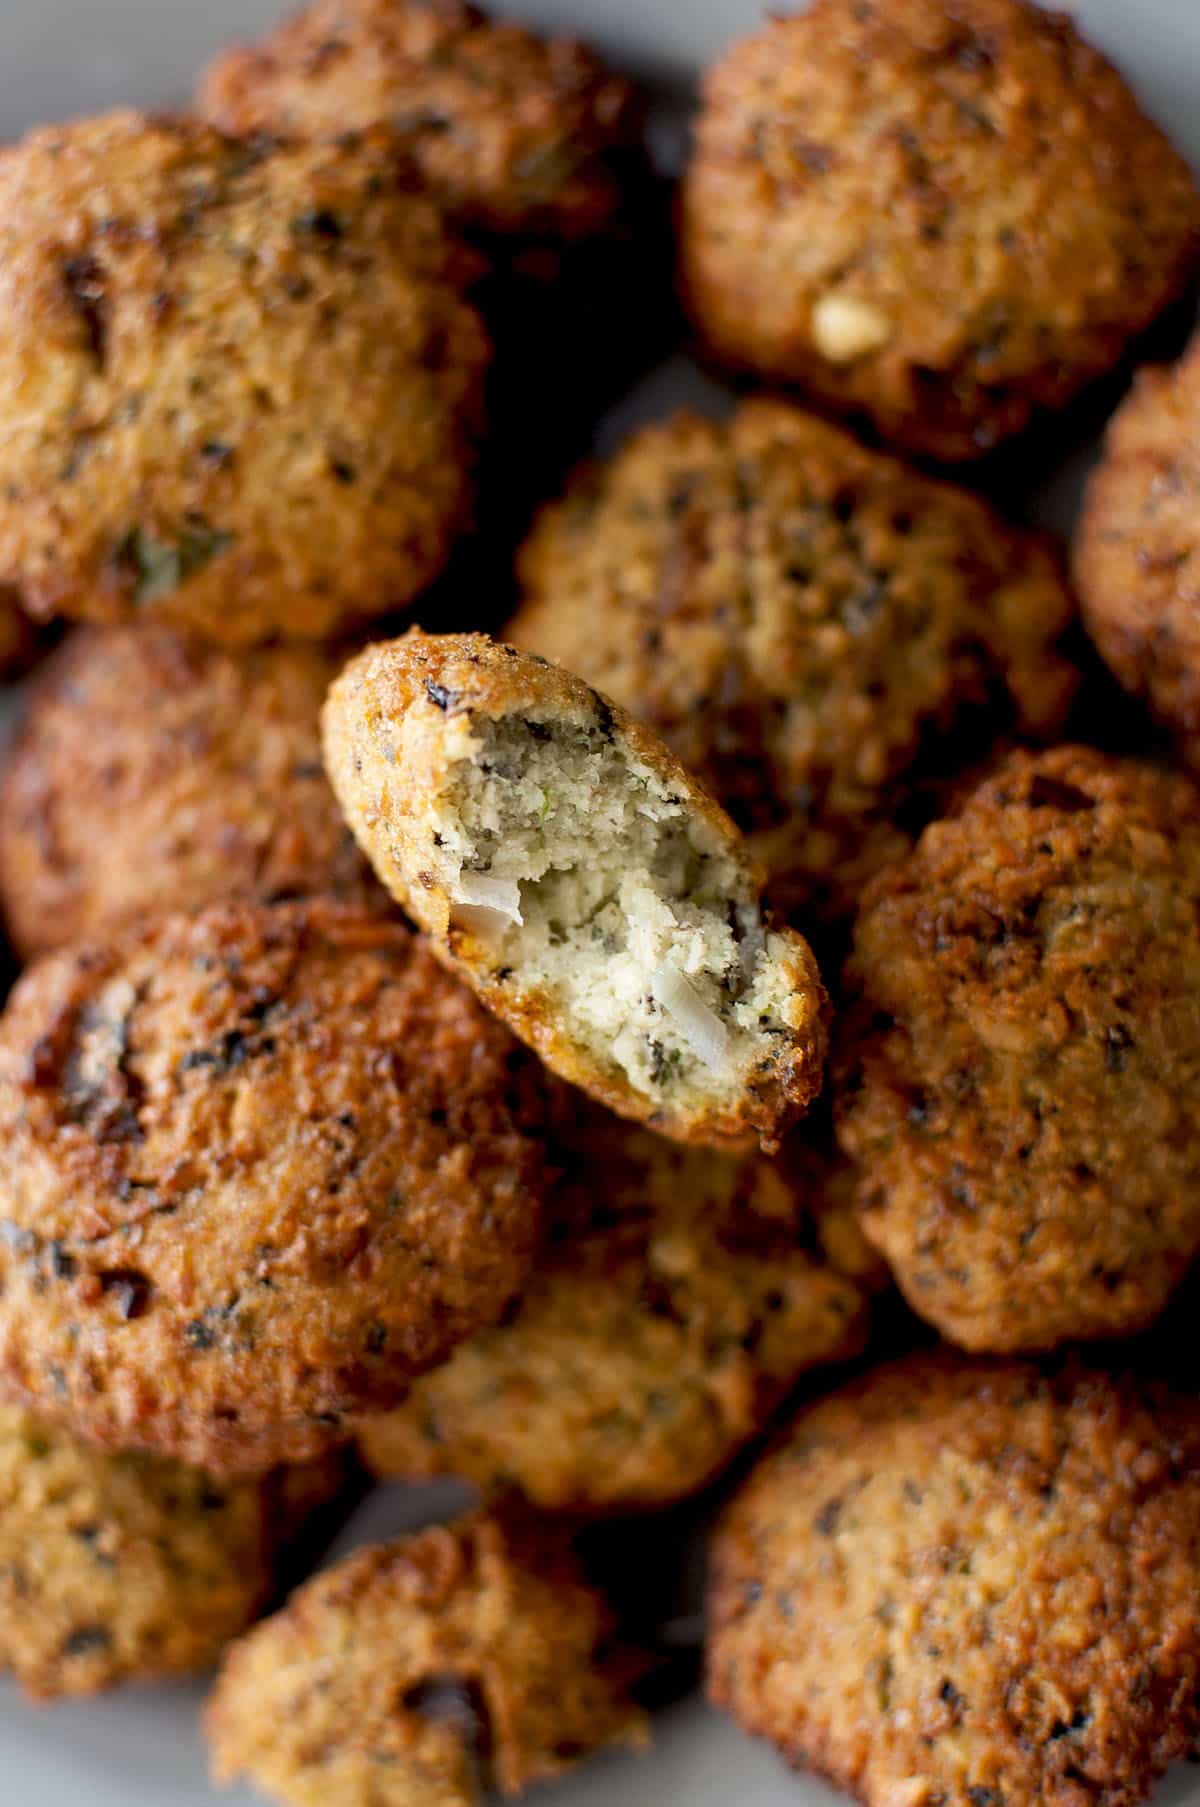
(969, 1584)
(258, 1168)
(419, 1673)
(154, 771)
(801, 620)
(513, 133)
(680, 1295)
(1137, 554)
(248, 382)
(117, 1568)
(1020, 1067)
(943, 216)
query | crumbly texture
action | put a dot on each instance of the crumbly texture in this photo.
(249, 383)
(123, 1568)
(155, 771)
(422, 1672)
(804, 622)
(258, 1168)
(1018, 1071)
(940, 216)
(1137, 550)
(575, 874)
(680, 1295)
(513, 133)
(967, 1584)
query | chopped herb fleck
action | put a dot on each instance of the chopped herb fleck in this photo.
(159, 566)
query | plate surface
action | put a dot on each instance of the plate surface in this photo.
(59, 57)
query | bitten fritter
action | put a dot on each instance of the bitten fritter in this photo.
(514, 134)
(422, 1672)
(970, 1584)
(680, 1295)
(943, 217)
(1020, 1066)
(1137, 551)
(122, 1568)
(153, 771)
(580, 880)
(249, 383)
(803, 621)
(258, 1168)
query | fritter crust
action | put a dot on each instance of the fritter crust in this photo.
(966, 1583)
(1018, 1074)
(944, 217)
(120, 1568)
(249, 382)
(802, 621)
(680, 1295)
(414, 1672)
(512, 133)
(258, 1168)
(154, 771)
(1137, 549)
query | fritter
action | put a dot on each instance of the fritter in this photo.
(1137, 551)
(419, 1673)
(804, 622)
(969, 1583)
(1020, 1066)
(258, 1168)
(566, 864)
(513, 134)
(155, 771)
(943, 217)
(249, 381)
(680, 1295)
(120, 1568)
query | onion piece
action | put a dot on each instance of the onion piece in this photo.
(700, 1027)
(503, 895)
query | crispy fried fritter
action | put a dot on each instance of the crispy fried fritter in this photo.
(680, 1295)
(117, 1568)
(567, 865)
(1137, 551)
(1019, 1072)
(969, 1584)
(802, 621)
(249, 384)
(258, 1168)
(513, 133)
(945, 217)
(153, 772)
(415, 1673)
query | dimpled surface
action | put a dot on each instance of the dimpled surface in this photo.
(1018, 1071)
(969, 1584)
(967, 192)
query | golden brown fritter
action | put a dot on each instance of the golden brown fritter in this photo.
(249, 384)
(680, 1295)
(119, 1568)
(944, 217)
(968, 1583)
(1019, 1071)
(154, 771)
(574, 873)
(1137, 551)
(513, 133)
(802, 621)
(258, 1168)
(416, 1673)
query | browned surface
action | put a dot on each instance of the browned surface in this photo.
(337, 1697)
(974, 174)
(257, 1169)
(243, 383)
(969, 1584)
(1018, 1076)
